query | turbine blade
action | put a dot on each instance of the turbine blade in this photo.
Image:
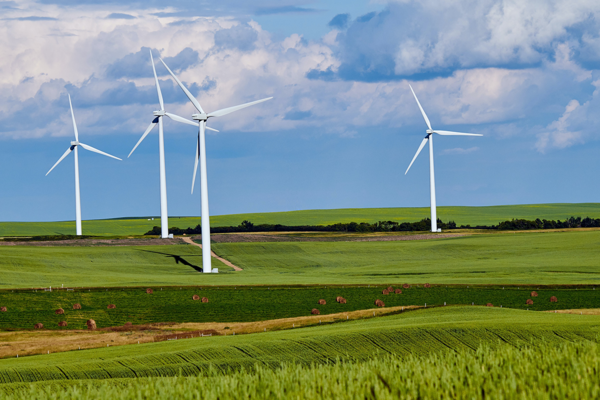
(90, 148)
(211, 129)
(225, 111)
(160, 98)
(423, 143)
(181, 119)
(187, 93)
(196, 162)
(421, 108)
(449, 133)
(73, 116)
(70, 149)
(152, 125)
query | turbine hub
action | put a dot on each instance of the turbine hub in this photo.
(429, 131)
(200, 117)
(159, 113)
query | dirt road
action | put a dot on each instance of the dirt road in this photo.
(212, 253)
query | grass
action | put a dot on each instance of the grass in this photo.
(249, 304)
(461, 215)
(513, 258)
(541, 371)
(419, 333)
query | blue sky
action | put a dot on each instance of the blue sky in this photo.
(343, 125)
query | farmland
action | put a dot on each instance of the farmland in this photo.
(258, 303)
(461, 215)
(514, 258)
(544, 370)
(419, 333)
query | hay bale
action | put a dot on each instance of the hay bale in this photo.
(322, 302)
(489, 305)
(529, 302)
(534, 294)
(315, 311)
(195, 297)
(39, 326)
(406, 286)
(62, 323)
(3, 309)
(91, 324)
(149, 291)
(390, 289)
(398, 291)
(379, 303)
(76, 306)
(553, 299)
(427, 285)
(385, 291)
(205, 299)
(59, 311)
(128, 323)
(342, 301)
(111, 306)
(338, 298)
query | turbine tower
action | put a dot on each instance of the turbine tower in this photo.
(164, 217)
(429, 138)
(74, 145)
(202, 117)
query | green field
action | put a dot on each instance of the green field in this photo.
(420, 332)
(258, 303)
(461, 215)
(539, 371)
(514, 258)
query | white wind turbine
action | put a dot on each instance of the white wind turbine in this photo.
(74, 145)
(164, 217)
(429, 138)
(202, 117)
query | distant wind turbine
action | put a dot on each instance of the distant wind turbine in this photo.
(74, 145)
(429, 138)
(164, 215)
(202, 117)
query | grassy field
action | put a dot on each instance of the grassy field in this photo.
(418, 333)
(461, 215)
(515, 258)
(248, 304)
(540, 371)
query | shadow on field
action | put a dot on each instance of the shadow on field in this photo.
(178, 259)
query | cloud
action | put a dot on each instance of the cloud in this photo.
(340, 21)
(34, 18)
(240, 37)
(459, 150)
(136, 65)
(120, 16)
(284, 10)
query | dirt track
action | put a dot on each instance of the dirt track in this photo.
(212, 253)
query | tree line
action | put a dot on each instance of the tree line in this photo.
(389, 226)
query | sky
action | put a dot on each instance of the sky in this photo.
(343, 125)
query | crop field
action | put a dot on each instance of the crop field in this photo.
(514, 258)
(461, 215)
(541, 370)
(248, 304)
(418, 333)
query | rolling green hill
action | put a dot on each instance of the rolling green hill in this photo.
(461, 215)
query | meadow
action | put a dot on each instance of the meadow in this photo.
(258, 303)
(416, 333)
(540, 371)
(473, 216)
(560, 258)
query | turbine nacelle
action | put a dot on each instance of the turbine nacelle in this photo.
(159, 113)
(74, 144)
(200, 117)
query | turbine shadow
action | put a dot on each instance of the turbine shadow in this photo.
(178, 259)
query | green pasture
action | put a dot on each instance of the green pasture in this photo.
(25, 308)
(417, 333)
(461, 215)
(560, 258)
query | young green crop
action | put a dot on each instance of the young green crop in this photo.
(539, 371)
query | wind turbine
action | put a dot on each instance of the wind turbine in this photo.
(164, 217)
(74, 145)
(202, 117)
(429, 137)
